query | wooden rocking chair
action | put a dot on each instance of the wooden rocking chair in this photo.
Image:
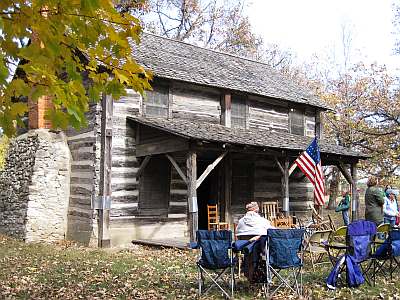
(320, 223)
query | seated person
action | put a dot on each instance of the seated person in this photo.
(252, 225)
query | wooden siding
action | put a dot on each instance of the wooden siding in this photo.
(178, 189)
(267, 115)
(191, 102)
(125, 187)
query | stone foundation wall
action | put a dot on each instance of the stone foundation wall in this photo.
(34, 187)
(15, 180)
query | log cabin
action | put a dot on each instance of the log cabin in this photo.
(215, 129)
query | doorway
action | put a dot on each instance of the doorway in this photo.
(209, 192)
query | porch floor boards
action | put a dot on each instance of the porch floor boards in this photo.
(162, 243)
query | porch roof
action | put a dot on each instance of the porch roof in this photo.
(203, 131)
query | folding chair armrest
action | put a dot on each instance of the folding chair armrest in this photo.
(239, 245)
(336, 247)
(194, 245)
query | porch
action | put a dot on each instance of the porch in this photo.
(212, 164)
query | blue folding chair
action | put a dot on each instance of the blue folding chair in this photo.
(284, 260)
(357, 260)
(216, 261)
(386, 257)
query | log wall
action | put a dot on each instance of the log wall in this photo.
(84, 146)
(191, 102)
(268, 114)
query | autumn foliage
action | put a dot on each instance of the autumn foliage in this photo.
(71, 51)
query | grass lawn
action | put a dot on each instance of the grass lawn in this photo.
(67, 271)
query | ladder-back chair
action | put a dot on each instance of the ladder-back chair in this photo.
(213, 219)
(269, 210)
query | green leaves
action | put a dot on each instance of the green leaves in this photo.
(71, 51)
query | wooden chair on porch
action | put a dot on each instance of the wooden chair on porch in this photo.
(213, 219)
(269, 210)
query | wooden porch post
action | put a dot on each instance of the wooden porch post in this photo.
(228, 188)
(284, 184)
(285, 187)
(354, 202)
(191, 169)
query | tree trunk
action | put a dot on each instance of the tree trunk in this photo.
(334, 188)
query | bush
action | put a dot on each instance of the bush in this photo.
(4, 141)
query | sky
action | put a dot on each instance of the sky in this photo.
(314, 26)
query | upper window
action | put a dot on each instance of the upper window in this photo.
(296, 119)
(238, 112)
(156, 102)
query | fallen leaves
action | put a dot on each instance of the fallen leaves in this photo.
(35, 271)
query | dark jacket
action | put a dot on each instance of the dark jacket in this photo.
(374, 200)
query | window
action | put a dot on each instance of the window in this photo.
(156, 103)
(154, 191)
(238, 113)
(296, 119)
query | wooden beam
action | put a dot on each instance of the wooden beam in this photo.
(209, 169)
(228, 188)
(279, 165)
(105, 172)
(177, 168)
(143, 166)
(345, 173)
(191, 171)
(226, 107)
(318, 124)
(285, 187)
(162, 146)
(354, 205)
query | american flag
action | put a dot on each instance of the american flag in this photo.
(310, 163)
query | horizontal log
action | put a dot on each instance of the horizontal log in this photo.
(125, 199)
(161, 147)
(80, 180)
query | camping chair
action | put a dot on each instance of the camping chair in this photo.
(216, 261)
(336, 245)
(356, 260)
(315, 246)
(213, 219)
(386, 257)
(284, 260)
(382, 234)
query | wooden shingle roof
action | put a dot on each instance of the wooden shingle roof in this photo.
(204, 131)
(177, 60)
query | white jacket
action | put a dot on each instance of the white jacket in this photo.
(390, 208)
(252, 224)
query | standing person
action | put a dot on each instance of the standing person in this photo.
(374, 200)
(390, 208)
(344, 206)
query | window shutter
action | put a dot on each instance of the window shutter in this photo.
(238, 116)
(296, 122)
